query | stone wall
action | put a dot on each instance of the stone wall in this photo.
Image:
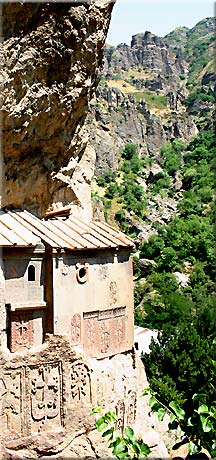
(96, 310)
(46, 399)
(19, 290)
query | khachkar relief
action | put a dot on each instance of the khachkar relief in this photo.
(90, 327)
(104, 331)
(11, 405)
(76, 329)
(113, 292)
(120, 412)
(131, 408)
(45, 393)
(21, 337)
(80, 383)
(126, 413)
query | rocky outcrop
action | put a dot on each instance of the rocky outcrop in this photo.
(138, 77)
(147, 52)
(117, 118)
(51, 57)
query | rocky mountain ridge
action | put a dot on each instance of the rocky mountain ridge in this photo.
(121, 119)
(148, 102)
(142, 95)
(147, 51)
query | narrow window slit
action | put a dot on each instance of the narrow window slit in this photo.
(31, 273)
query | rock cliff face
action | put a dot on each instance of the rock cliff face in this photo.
(140, 100)
(51, 57)
(144, 96)
(147, 51)
(117, 118)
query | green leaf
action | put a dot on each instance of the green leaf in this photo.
(99, 421)
(111, 445)
(102, 426)
(119, 448)
(114, 443)
(193, 448)
(161, 413)
(203, 409)
(144, 448)
(152, 401)
(180, 413)
(172, 418)
(147, 391)
(206, 424)
(136, 448)
(189, 423)
(129, 432)
(111, 417)
(212, 411)
(96, 410)
(108, 432)
(198, 396)
(123, 454)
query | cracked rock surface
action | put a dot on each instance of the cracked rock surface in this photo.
(51, 57)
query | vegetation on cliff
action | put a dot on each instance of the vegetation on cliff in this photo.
(174, 264)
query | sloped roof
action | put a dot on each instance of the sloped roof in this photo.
(22, 228)
(143, 337)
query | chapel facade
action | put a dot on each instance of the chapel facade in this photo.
(65, 277)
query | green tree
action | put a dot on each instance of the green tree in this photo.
(180, 365)
(129, 151)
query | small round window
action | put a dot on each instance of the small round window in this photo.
(82, 273)
(31, 273)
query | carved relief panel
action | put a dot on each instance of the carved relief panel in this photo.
(76, 329)
(31, 397)
(104, 331)
(90, 327)
(126, 412)
(113, 292)
(21, 336)
(131, 408)
(119, 332)
(99, 387)
(11, 406)
(80, 383)
(120, 412)
(45, 396)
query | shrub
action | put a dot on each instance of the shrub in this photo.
(106, 178)
(129, 151)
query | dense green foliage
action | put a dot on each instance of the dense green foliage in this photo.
(180, 364)
(187, 243)
(128, 192)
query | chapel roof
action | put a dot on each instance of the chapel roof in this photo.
(23, 229)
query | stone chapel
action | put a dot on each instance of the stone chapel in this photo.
(65, 277)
